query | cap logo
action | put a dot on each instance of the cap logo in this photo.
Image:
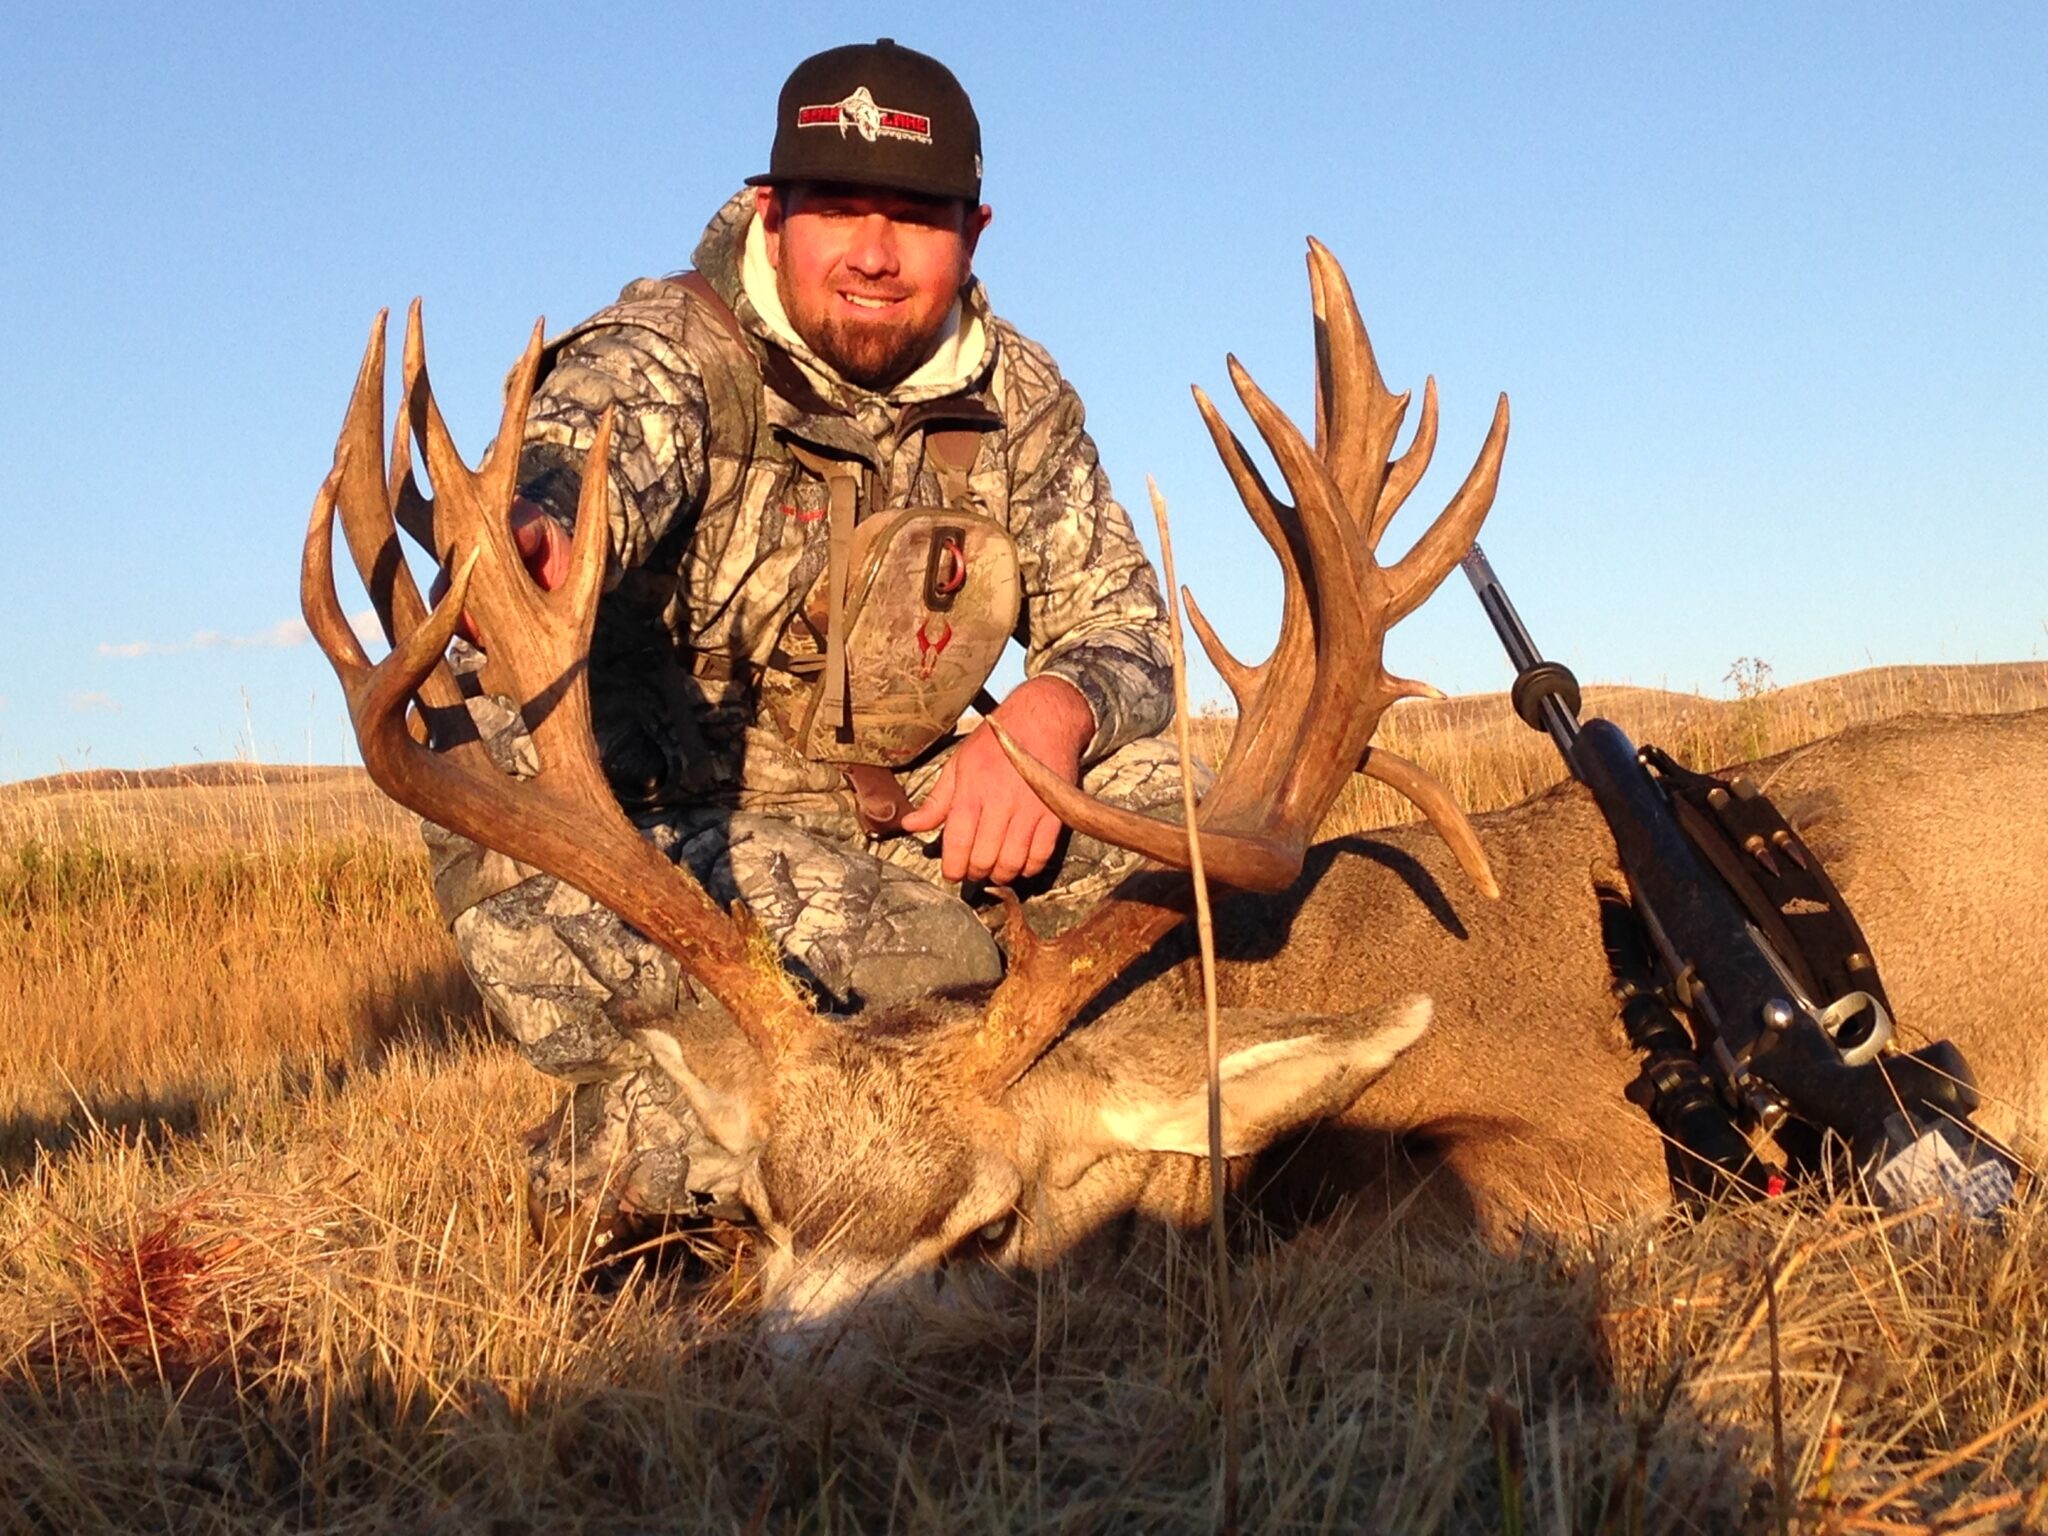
(870, 121)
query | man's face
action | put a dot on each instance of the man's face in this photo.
(868, 277)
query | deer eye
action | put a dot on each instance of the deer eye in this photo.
(984, 1242)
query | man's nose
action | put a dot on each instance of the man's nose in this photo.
(873, 251)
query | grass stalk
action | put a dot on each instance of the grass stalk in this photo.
(1205, 930)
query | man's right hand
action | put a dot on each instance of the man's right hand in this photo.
(543, 546)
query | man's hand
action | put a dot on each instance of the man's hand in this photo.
(996, 829)
(543, 547)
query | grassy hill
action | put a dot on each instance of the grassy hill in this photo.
(1473, 742)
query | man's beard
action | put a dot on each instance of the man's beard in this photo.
(875, 355)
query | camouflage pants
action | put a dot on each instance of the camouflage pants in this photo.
(862, 922)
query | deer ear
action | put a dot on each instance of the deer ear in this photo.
(1269, 1088)
(728, 1118)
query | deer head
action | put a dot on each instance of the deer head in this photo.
(871, 1153)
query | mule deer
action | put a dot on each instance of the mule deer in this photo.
(1004, 1129)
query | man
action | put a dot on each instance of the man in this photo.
(826, 394)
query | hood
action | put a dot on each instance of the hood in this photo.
(733, 256)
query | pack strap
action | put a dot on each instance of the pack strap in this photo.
(777, 369)
(842, 487)
(950, 451)
(698, 287)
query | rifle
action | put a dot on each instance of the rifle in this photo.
(1744, 980)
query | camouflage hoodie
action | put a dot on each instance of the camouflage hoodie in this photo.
(718, 533)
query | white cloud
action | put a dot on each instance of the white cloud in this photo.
(283, 635)
(94, 704)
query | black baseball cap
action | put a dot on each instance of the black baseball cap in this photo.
(876, 115)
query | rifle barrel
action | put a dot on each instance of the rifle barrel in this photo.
(1500, 612)
(1551, 683)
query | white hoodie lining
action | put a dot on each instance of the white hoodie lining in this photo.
(954, 361)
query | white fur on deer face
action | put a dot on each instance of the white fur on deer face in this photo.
(870, 1163)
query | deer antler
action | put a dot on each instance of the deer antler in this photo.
(564, 819)
(1306, 715)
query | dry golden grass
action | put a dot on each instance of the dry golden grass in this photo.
(166, 951)
(212, 806)
(263, 1267)
(1488, 758)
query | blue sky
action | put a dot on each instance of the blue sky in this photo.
(1765, 284)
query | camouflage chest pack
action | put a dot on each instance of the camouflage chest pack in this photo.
(896, 638)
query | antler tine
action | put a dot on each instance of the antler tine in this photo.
(1419, 788)
(1249, 861)
(411, 508)
(463, 503)
(473, 510)
(1269, 513)
(499, 470)
(1330, 687)
(1358, 448)
(1444, 543)
(1241, 680)
(1049, 982)
(318, 600)
(562, 820)
(1277, 525)
(1357, 416)
(366, 519)
(1407, 471)
(378, 692)
(1307, 713)
(374, 693)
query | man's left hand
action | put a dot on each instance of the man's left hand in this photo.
(996, 829)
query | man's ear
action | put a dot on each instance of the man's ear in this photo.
(768, 209)
(1280, 1073)
(973, 223)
